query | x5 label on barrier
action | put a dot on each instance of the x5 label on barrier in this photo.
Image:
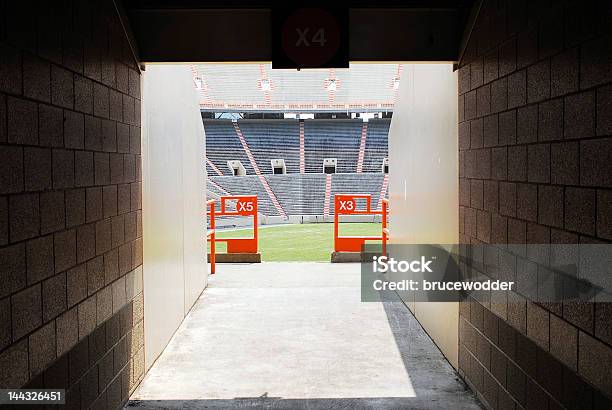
(245, 206)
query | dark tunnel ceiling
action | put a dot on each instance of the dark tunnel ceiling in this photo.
(233, 31)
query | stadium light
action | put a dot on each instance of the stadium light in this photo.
(265, 84)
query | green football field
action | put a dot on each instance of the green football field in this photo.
(299, 242)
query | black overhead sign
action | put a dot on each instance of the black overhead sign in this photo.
(310, 37)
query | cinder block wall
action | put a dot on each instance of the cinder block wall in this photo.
(71, 303)
(535, 138)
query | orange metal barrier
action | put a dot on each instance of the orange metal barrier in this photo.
(246, 205)
(385, 229)
(346, 204)
(210, 234)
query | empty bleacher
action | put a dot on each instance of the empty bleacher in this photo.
(269, 140)
(376, 148)
(302, 194)
(247, 185)
(272, 139)
(298, 194)
(222, 145)
(364, 183)
(332, 139)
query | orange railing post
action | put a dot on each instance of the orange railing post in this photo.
(210, 234)
(346, 204)
(385, 229)
(246, 206)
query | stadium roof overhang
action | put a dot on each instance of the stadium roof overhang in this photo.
(236, 31)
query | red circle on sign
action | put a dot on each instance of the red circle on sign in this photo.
(310, 37)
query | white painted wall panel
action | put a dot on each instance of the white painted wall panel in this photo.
(423, 185)
(174, 189)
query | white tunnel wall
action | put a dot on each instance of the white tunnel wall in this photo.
(423, 184)
(173, 148)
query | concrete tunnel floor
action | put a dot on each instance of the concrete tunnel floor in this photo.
(296, 335)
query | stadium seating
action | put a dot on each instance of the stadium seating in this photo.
(222, 145)
(332, 139)
(299, 194)
(269, 140)
(247, 185)
(364, 183)
(376, 148)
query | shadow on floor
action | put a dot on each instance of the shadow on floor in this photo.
(435, 382)
(279, 403)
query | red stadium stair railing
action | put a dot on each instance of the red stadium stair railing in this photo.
(210, 233)
(346, 204)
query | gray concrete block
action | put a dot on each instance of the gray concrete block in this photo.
(51, 126)
(14, 365)
(5, 323)
(24, 217)
(83, 94)
(527, 202)
(94, 208)
(67, 326)
(75, 207)
(11, 169)
(74, 130)
(538, 163)
(93, 133)
(40, 260)
(63, 168)
(62, 87)
(109, 197)
(564, 72)
(517, 89)
(101, 168)
(65, 250)
(564, 342)
(42, 349)
(550, 120)
(26, 311)
(52, 212)
(95, 274)
(538, 81)
(596, 162)
(109, 136)
(87, 316)
(593, 362)
(76, 279)
(101, 101)
(564, 163)
(116, 169)
(54, 297)
(84, 168)
(580, 210)
(12, 269)
(22, 123)
(579, 118)
(111, 265)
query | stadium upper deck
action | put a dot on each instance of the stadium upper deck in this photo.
(256, 87)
